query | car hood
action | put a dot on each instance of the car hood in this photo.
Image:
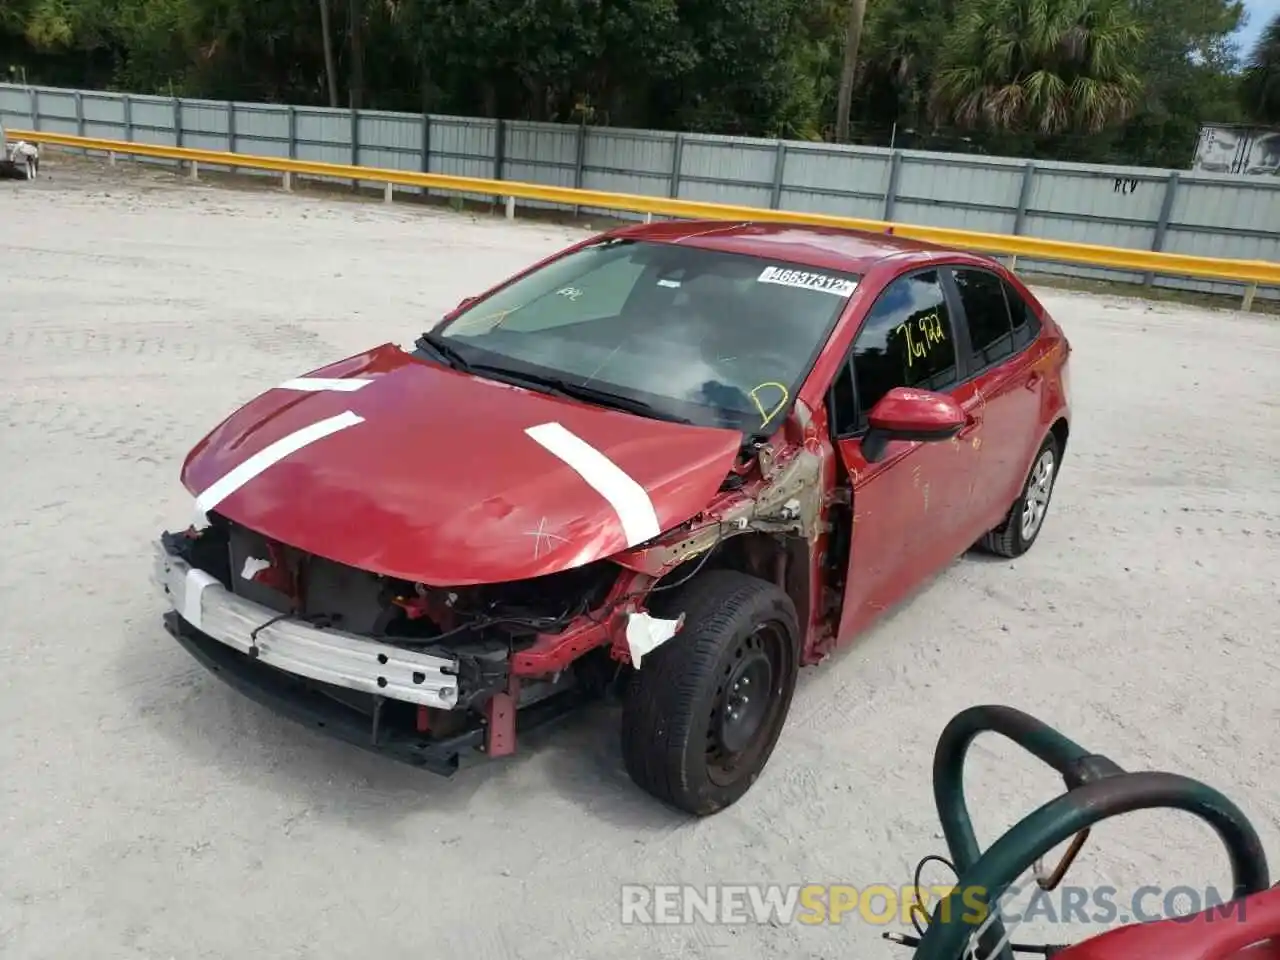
(432, 475)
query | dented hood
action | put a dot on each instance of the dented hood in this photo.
(428, 474)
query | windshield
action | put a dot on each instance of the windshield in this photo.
(717, 339)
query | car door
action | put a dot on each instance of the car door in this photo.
(1003, 386)
(902, 504)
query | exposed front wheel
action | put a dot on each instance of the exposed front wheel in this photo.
(1019, 529)
(705, 709)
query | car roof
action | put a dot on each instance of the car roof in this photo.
(829, 248)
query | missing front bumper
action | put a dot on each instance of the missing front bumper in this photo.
(293, 646)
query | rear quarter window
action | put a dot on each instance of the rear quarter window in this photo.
(1026, 325)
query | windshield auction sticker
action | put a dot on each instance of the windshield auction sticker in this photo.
(808, 281)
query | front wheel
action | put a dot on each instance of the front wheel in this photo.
(705, 710)
(1020, 527)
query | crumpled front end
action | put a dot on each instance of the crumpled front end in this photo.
(423, 674)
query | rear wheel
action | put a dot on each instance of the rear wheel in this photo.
(704, 711)
(1022, 525)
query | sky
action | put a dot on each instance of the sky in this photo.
(1260, 13)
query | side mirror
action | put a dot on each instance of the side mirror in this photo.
(907, 414)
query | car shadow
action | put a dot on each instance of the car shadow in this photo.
(582, 757)
(213, 725)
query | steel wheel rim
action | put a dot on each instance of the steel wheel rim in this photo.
(737, 732)
(1036, 502)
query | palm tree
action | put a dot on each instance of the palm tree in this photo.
(1039, 66)
(1260, 85)
(852, 39)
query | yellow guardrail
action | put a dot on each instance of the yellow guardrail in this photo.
(1252, 273)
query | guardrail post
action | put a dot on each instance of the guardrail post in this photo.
(128, 118)
(511, 208)
(80, 115)
(891, 188)
(195, 170)
(231, 127)
(177, 124)
(1251, 291)
(677, 163)
(779, 167)
(1162, 224)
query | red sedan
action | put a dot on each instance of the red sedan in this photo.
(675, 462)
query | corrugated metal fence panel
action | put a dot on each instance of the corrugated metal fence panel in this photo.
(389, 140)
(545, 153)
(1202, 201)
(958, 191)
(261, 129)
(839, 181)
(1209, 214)
(464, 147)
(736, 170)
(622, 160)
(58, 110)
(151, 119)
(1112, 206)
(15, 105)
(141, 119)
(322, 135)
(628, 161)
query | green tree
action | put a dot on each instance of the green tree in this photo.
(1260, 85)
(1039, 66)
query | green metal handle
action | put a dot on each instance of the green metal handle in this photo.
(1097, 790)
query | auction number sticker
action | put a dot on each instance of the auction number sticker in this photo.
(804, 280)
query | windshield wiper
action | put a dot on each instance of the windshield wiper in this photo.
(579, 391)
(444, 349)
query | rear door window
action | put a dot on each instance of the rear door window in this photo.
(986, 312)
(1025, 325)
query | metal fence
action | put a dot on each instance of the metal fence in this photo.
(1140, 208)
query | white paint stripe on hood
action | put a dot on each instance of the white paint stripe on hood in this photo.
(267, 457)
(628, 499)
(316, 384)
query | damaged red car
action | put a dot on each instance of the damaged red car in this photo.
(676, 462)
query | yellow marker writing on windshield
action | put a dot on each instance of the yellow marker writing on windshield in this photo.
(485, 323)
(767, 415)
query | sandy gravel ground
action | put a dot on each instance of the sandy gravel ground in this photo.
(146, 811)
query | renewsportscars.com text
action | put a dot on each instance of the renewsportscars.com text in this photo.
(880, 904)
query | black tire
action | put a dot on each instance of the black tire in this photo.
(1013, 538)
(677, 726)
